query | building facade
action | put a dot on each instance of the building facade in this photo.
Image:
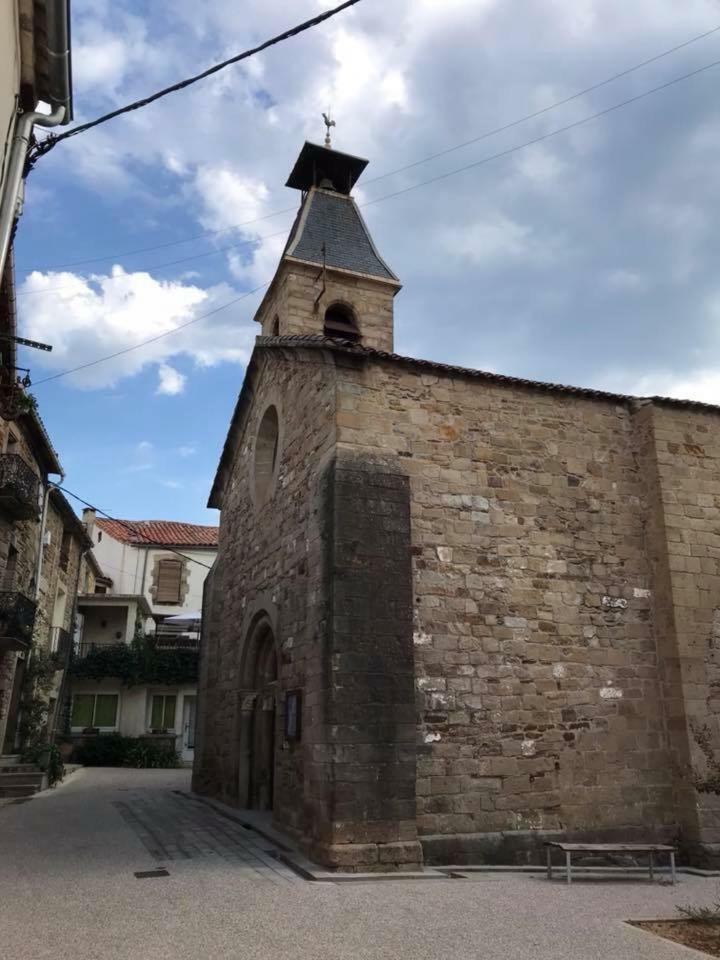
(147, 583)
(453, 613)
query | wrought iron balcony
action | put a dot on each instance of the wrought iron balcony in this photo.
(17, 619)
(19, 488)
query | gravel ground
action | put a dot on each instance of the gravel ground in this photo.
(68, 890)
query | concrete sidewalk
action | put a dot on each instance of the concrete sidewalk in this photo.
(68, 890)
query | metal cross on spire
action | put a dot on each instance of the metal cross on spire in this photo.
(328, 123)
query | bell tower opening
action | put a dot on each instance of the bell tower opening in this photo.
(340, 323)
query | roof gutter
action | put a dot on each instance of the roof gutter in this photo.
(57, 20)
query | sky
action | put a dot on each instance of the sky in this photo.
(589, 258)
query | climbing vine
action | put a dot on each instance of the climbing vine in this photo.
(139, 662)
(38, 684)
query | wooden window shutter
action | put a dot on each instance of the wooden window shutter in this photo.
(169, 580)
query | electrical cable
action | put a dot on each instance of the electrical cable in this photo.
(160, 336)
(415, 186)
(157, 266)
(415, 163)
(44, 146)
(131, 528)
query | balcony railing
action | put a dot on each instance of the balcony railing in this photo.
(168, 636)
(85, 648)
(17, 619)
(19, 488)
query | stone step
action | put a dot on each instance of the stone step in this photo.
(18, 768)
(33, 775)
(11, 792)
(9, 760)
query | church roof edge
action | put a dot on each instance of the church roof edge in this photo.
(362, 352)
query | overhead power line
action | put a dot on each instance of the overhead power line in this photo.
(44, 146)
(414, 163)
(415, 186)
(160, 336)
(131, 528)
(544, 110)
(159, 266)
(546, 136)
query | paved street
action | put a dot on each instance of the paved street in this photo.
(68, 889)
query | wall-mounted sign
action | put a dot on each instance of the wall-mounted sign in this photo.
(293, 715)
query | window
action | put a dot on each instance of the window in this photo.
(162, 712)
(340, 323)
(169, 581)
(94, 710)
(266, 454)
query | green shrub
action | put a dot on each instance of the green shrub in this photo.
(137, 663)
(143, 755)
(105, 750)
(114, 750)
(48, 758)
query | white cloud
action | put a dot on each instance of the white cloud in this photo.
(106, 314)
(488, 241)
(187, 451)
(228, 197)
(144, 446)
(702, 385)
(626, 281)
(170, 381)
(403, 80)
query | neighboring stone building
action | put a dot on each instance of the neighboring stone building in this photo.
(452, 612)
(148, 573)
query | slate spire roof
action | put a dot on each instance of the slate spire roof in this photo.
(329, 229)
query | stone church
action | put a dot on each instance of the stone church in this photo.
(453, 613)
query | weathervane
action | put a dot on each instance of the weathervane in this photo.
(328, 123)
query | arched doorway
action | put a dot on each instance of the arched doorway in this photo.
(257, 754)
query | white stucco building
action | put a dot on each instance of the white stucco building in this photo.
(145, 572)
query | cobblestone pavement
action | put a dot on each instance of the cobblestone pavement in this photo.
(69, 890)
(172, 825)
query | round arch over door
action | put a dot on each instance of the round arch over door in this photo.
(259, 713)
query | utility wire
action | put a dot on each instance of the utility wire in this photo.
(158, 266)
(546, 136)
(415, 186)
(422, 183)
(544, 110)
(131, 528)
(415, 163)
(160, 336)
(44, 146)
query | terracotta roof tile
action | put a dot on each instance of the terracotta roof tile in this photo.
(164, 533)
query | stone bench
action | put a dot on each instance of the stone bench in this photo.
(631, 848)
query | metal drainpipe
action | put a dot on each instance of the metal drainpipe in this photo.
(16, 164)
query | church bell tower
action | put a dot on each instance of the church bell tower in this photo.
(331, 281)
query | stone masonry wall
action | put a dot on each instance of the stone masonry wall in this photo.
(24, 537)
(298, 285)
(687, 456)
(364, 773)
(539, 691)
(270, 559)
